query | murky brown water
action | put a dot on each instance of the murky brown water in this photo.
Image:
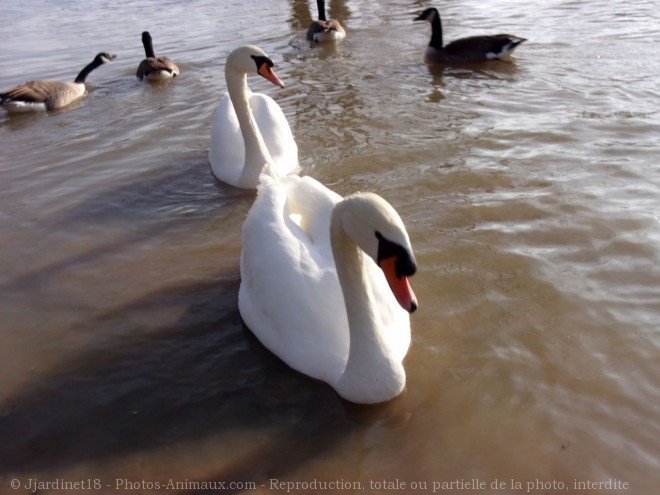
(530, 190)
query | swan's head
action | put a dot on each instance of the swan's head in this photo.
(376, 227)
(249, 59)
(428, 15)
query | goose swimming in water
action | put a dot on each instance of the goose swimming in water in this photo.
(155, 68)
(471, 49)
(46, 94)
(324, 30)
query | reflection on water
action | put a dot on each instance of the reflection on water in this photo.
(530, 190)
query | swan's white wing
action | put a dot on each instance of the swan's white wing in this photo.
(276, 132)
(289, 295)
(227, 151)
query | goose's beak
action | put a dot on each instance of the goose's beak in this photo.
(268, 73)
(400, 286)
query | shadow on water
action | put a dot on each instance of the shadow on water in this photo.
(202, 377)
(442, 75)
(495, 70)
(153, 385)
(136, 393)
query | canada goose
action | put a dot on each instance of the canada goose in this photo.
(155, 68)
(47, 94)
(324, 30)
(472, 49)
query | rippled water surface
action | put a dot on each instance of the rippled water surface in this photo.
(530, 190)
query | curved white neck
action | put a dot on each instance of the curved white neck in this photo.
(257, 157)
(371, 372)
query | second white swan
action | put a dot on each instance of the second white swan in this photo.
(250, 134)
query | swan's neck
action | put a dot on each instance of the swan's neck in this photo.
(257, 157)
(371, 372)
(436, 32)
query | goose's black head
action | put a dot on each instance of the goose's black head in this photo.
(428, 15)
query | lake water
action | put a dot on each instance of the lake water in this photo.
(530, 190)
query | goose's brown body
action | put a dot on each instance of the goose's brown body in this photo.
(47, 94)
(155, 68)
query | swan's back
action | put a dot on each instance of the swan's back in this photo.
(289, 291)
(276, 132)
(227, 150)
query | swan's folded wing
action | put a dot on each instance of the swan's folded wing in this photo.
(276, 132)
(227, 151)
(313, 202)
(289, 291)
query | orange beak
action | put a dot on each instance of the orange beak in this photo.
(268, 73)
(400, 286)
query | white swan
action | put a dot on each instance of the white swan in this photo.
(314, 299)
(250, 133)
